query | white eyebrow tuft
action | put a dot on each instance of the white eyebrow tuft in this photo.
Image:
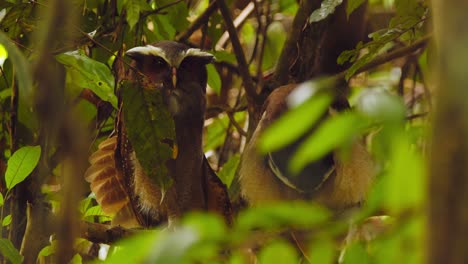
(148, 50)
(192, 52)
(198, 52)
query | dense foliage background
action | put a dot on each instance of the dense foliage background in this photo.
(60, 64)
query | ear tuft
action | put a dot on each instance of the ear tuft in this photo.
(137, 53)
(205, 56)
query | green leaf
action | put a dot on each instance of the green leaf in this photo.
(88, 73)
(9, 251)
(177, 14)
(6, 221)
(24, 77)
(94, 211)
(48, 250)
(356, 253)
(326, 8)
(208, 226)
(4, 94)
(227, 172)
(225, 56)
(216, 131)
(155, 247)
(3, 55)
(278, 252)
(19, 12)
(236, 257)
(333, 133)
(76, 259)
(276, 37)
(214, 81)
(133, 8)
(406, 172)
(292, 214)
(353, 5)
(294, 123)
(21, 164)
(163, 27)
(322, 250)
(358, 64)
(85, 204)
(149, 124)
(2, 201)
(134, 249)
(381, 106)
(288, 6)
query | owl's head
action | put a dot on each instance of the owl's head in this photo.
(179, 70)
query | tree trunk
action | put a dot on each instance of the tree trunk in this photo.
(448, 196)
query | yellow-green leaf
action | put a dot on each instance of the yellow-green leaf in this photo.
(6, 221)
(333, 133)
(214, 81)
(294, 123)
(21, 164)
(9, 251)
(3, 55)
(88, 73)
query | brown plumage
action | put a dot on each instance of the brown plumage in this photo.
(331, 181)
(115, 174)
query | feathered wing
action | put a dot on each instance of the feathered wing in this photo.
(108, 182)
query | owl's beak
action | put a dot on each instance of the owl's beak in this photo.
(174, 76)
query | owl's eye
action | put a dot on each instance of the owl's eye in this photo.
(158, 62)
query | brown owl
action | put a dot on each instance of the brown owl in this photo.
(332, 181)
(115, 174)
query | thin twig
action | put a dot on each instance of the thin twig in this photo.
(394, 54)
(405, 51)
(159, 9)
(427, 93)
(200, 21)
(233, 68)
(239, 21)
(418, 115)
(236, 125)
(258, 16)
(262, 49)
(413, 85)
(215, 110)
(239, 52)
(106, 49)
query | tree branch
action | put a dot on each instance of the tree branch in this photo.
(306, 7)
(202, 19)
(382, 59)
(236, 125)
(101, 233)
(239, 52)
(240, 19)
(395, 54)
(159, 9)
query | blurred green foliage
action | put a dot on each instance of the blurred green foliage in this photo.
(381, 114)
